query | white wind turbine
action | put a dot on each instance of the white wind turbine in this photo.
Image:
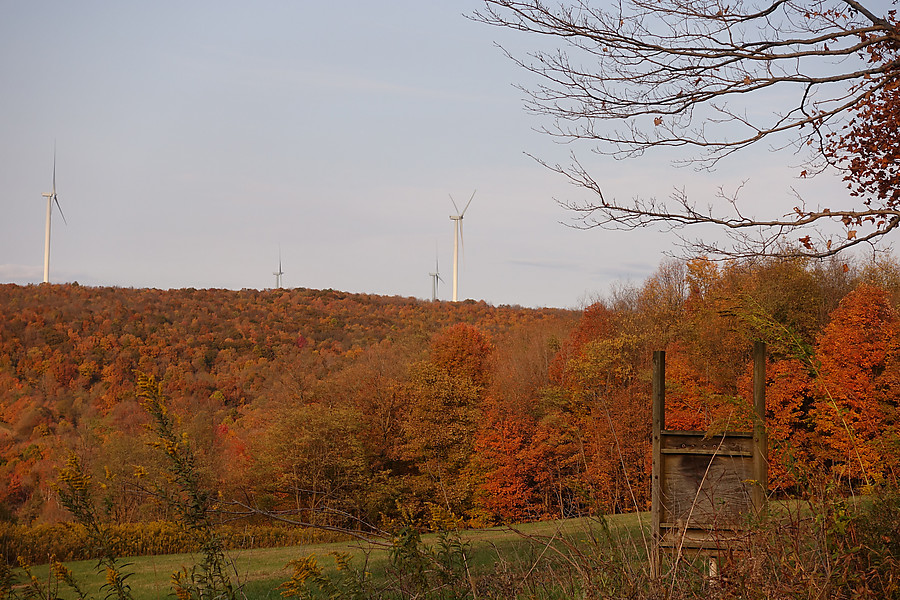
(435, 277)
(51, 198)
(279, 272)
(457, 240)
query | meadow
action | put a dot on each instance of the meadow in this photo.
(828, 548)
(259, 572)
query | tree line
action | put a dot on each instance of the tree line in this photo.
(363, 412)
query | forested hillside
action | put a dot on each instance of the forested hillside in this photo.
(265, 384)
(342, 409)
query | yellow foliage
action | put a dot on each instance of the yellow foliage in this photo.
(70, 541)
(304, 569)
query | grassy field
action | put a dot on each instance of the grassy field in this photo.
(260, 572)
(841, 548)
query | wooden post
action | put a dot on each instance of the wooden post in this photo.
(760, 436)
(659, 423)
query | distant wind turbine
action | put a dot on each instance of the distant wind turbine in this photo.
(457, 241)
(435, 277)
(279, 272)
(51, 199)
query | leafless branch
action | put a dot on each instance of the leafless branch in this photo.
(642, 74)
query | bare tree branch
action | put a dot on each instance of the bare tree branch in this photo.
(642, 74)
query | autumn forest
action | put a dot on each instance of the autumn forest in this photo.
(355, 411)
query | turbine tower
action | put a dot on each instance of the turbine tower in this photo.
(51, 199)
(435, 277)
(457, 241)
(279, 272)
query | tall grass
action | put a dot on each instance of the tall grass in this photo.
(818, 547)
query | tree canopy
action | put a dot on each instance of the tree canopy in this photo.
(352, 411)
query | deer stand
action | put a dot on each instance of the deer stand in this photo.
(705, 488)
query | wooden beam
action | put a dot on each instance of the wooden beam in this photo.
(659, 423)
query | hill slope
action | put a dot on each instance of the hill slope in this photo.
(69, 354)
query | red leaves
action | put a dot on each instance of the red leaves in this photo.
(868, 151)
(789, 391)
(502, 448)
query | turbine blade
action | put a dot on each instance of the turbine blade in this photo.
(59, 208)
(54, 173)
(454, 204)
(467, 204)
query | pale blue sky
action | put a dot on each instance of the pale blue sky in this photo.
(194, 138)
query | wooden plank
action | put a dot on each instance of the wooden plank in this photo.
(707, 452)
(679, 526)
(705, 434)
(705, 491)
(710, 544)
(727, 442)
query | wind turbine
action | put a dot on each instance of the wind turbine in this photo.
(435, 277)
(279, 272)
(51, 198)
(457, 240)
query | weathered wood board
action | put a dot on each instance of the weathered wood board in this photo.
(706, 486)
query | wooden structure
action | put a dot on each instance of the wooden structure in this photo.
(705, 487)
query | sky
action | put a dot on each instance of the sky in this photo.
(195, 141)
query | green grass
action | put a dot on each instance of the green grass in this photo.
(261, 571)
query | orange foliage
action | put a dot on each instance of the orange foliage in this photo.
(596, 322)
(857, 389)
(693, 402)
(68, 355)
(792, 443)
(702, 274)
(463, 351)
(477, 409)
(501, 447)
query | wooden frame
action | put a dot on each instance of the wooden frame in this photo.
(705, 487)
